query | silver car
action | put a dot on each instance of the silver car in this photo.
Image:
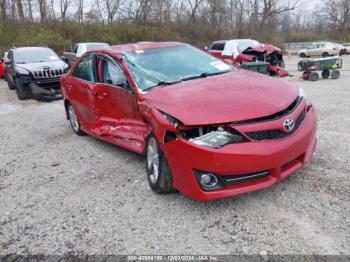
(323, 49)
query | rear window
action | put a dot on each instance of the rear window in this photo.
(218, 47)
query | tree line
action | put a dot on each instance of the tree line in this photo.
(60, 23)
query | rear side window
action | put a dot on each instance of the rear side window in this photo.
(85, 69)
(218, 47)
(112, 74)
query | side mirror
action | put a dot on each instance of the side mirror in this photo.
(121, 81)
(206, 48)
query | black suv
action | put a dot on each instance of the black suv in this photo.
(35, 72)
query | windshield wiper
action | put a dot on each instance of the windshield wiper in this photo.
(203, 75)
(163, 83)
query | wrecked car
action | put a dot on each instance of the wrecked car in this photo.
(239, 51)
(34, 72)
(207, 129)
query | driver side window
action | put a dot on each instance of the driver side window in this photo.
(112, 74)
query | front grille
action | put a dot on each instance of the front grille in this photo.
(276, 134)
(48, 73)
(275, 116)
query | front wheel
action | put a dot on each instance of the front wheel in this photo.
(314, 76)
(158, 172)
(326, 73)
(335, 74)
(23, 92)
(325, 54)
(74, 120)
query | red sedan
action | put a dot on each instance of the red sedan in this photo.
(207, 129)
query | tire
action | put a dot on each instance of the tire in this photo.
(74, 120)
(306, 75)
(326, 73)
(302, 55)
(281, 63)
(335, 74)
(314, 76)
(159, 174)
(325, 54)
(23, 92)
(10, 84)
(300, 66)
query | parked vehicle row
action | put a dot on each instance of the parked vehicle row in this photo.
(208, 129)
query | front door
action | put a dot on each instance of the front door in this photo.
(116, 105)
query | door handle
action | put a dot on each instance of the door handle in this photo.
(69, 86)
(100, 94)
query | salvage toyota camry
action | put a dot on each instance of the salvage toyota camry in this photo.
(207, 129)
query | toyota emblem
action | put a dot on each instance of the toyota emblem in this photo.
(289, 125)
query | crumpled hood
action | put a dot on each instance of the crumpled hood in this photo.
(236, 96)
(31, 67)
(264, 48)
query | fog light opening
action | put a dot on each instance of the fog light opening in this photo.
(208, 180)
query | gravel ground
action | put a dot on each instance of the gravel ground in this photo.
(60, 193)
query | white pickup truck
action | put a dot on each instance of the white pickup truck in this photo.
(80, 49)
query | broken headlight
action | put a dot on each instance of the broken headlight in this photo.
(22, 71)
(171, 119)
(217, 138)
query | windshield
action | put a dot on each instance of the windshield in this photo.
(169, 65)
(26, 56)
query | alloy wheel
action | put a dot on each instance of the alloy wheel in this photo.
(73, 119)
(153, 160)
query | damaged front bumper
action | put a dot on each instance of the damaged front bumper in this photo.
(44, 89)
(240, 168)
(42, 93)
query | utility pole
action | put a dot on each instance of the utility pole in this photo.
(81, 2)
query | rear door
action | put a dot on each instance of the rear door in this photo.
(80, 88)
(117, 106)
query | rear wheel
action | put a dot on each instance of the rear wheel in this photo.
(74, 120)
(158, 172)
(325, 54)
(335, 74)
(23, 92)
(302, 55)
(314, 76)
(326, 73)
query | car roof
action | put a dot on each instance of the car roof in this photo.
(92, 43)
(144, 45)
(236, 40)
